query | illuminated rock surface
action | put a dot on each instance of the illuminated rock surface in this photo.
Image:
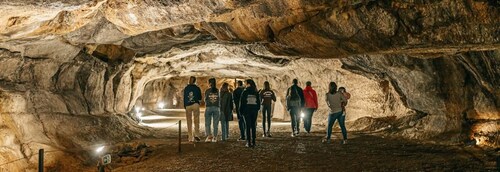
(72, 71)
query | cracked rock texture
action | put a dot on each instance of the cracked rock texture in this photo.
(72, 70)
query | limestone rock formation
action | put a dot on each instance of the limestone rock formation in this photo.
(71, 71)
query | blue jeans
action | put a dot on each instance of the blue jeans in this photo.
(331, 120)
(225, 129)
(308, 113)
(212, 113)
(241, 122)
(295, 119)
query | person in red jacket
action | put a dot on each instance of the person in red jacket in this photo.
(311, 105)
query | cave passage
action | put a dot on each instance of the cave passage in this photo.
(84, 80)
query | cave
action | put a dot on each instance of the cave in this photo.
(81, 79)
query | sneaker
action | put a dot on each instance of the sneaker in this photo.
(344, 142)
(248, 145)
(269, 135)
(264, 135)
(293, 134)
(241, 139)
(214, 139)
(197, 139)
(327, 141)
(209, 139)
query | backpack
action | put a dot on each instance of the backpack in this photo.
(294, 94)
(293, 98)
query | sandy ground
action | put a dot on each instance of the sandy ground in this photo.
(306, 153)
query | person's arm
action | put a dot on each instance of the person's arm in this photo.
(315, 98)
(326, 100)
(206, 96)
(286, 98)
(198, 94)
(243, 102)
(185, 97)
(273, 96)
(302, 99)
(261, 92)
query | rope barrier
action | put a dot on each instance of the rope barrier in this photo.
(27, 158)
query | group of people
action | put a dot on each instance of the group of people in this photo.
(247, 101)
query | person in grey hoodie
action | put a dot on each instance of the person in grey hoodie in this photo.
(226, 108)
(212, 111)
(335, 100)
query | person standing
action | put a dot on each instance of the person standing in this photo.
(335, 100)
(241, 120)
(249, 108)
(192, 99)
(311, 105)
(294, 103)
(212, 111)
(226, 107)
(268, 97)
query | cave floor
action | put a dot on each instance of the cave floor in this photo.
(306, 153)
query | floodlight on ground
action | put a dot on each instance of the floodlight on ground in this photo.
(99, 149)
(302, 115)
(139, 115)
(137, 109)
(174, 101)
(161, 105)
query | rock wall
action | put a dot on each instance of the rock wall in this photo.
(72, 70)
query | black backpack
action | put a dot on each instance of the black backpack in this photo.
(294, 94)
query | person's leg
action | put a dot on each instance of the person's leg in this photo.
(223, 128)
(292, 119)
(268, 108)
(227, 129)
(309, 116)
(196, 110)
(263, 111)
(297, 119)
(331, 121)
(241, 124)
(248, 125)
(189, 119)
(342, 126)
(216, 119)
(254, 126)
(208, 121)
(306, 119)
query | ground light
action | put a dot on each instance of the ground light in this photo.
(161, 105)
(99, 149)
(302, 115)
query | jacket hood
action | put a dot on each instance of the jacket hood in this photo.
(308, 88)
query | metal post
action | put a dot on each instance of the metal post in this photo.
(180, 123)
(40, 160)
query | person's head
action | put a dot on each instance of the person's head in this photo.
(212, 83)
(192, 80)
(251, 84)
(225, 87)
(342, 89)
(295, 81)
(308, 83)
(240, 83)
(332, 89)
(266, 85)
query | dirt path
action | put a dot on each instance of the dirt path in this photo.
(307, 153)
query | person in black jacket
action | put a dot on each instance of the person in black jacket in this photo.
(268, 98)
(249, 108)
(241, 120)
(226, 109)
(295, 102)
(192, 99)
